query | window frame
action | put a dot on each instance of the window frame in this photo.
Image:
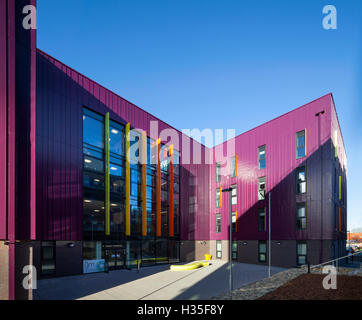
(234, 214)
(218, 251)
(234, 252)
(299, 206)
(261, 180)
(218, 218)
(260, 242)
(233, 167)
(260, 149)
(234, 187)
(298, 147)
(298, 183)
(218, 198)
(262, 211)
(304, 255)
(218, 172)
(42, 260)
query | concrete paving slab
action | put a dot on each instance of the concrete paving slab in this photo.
(152, 283)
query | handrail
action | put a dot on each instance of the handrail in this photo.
(349, 255)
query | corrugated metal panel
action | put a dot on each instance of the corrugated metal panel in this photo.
(279, 136)
(3, 118)
(61, 94)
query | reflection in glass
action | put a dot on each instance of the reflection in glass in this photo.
(93, 131)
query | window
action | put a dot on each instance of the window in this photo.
(233, 167)
(261, 188)
(301, 253)
(262, 251)
(234, 220)
(234, 196)
(218, 197)
(93, 174)
(261, 220)
(218, 223)
(92, 250)
(261, 157)
(218, 249)
(340, 188)
(340, 219)
(234, 251)
(218, 172)
(93, 129)
(301, 216)
(48, 257)
(116, 138)
(301, 146)
(301, 180)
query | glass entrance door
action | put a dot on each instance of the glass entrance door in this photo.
(115, 258)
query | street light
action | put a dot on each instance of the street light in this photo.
(318, 115)
(231, 239)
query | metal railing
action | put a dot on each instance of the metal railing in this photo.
(334, 260)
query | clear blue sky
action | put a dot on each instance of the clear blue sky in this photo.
(228, 63)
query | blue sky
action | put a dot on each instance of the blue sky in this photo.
(228, 63)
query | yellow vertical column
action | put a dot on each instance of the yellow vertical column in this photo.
(107, 187)
(144, 183)
(170, 195)
(158, 190)
(128, 182)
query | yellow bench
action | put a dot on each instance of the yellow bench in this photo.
(190, 266)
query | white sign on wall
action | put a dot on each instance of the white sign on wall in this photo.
(91, 266)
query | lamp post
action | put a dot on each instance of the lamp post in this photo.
(320, 148)
(230, 244)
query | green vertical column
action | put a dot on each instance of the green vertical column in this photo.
(107, 188)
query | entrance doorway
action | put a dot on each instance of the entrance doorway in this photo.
(115, 257)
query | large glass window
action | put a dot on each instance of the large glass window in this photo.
(261, 157)
(301, 144)
(262, 251)
(93, 210)
(116, 179)
(301, 180)
(92, 250)
(48, 257)
(161, 251)
(116, 138)
(93, 174)
(301, 216)
(301, 253)
(93, 129)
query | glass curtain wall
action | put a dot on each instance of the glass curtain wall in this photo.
(150, 249)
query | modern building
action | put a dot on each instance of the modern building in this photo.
(87, 181)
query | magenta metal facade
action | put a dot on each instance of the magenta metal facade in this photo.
(279, 136)
(47, 127)
(17, 128)
(61, 94)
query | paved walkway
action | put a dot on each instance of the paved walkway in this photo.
(154, 283)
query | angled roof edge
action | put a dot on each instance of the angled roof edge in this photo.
(274, 119)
